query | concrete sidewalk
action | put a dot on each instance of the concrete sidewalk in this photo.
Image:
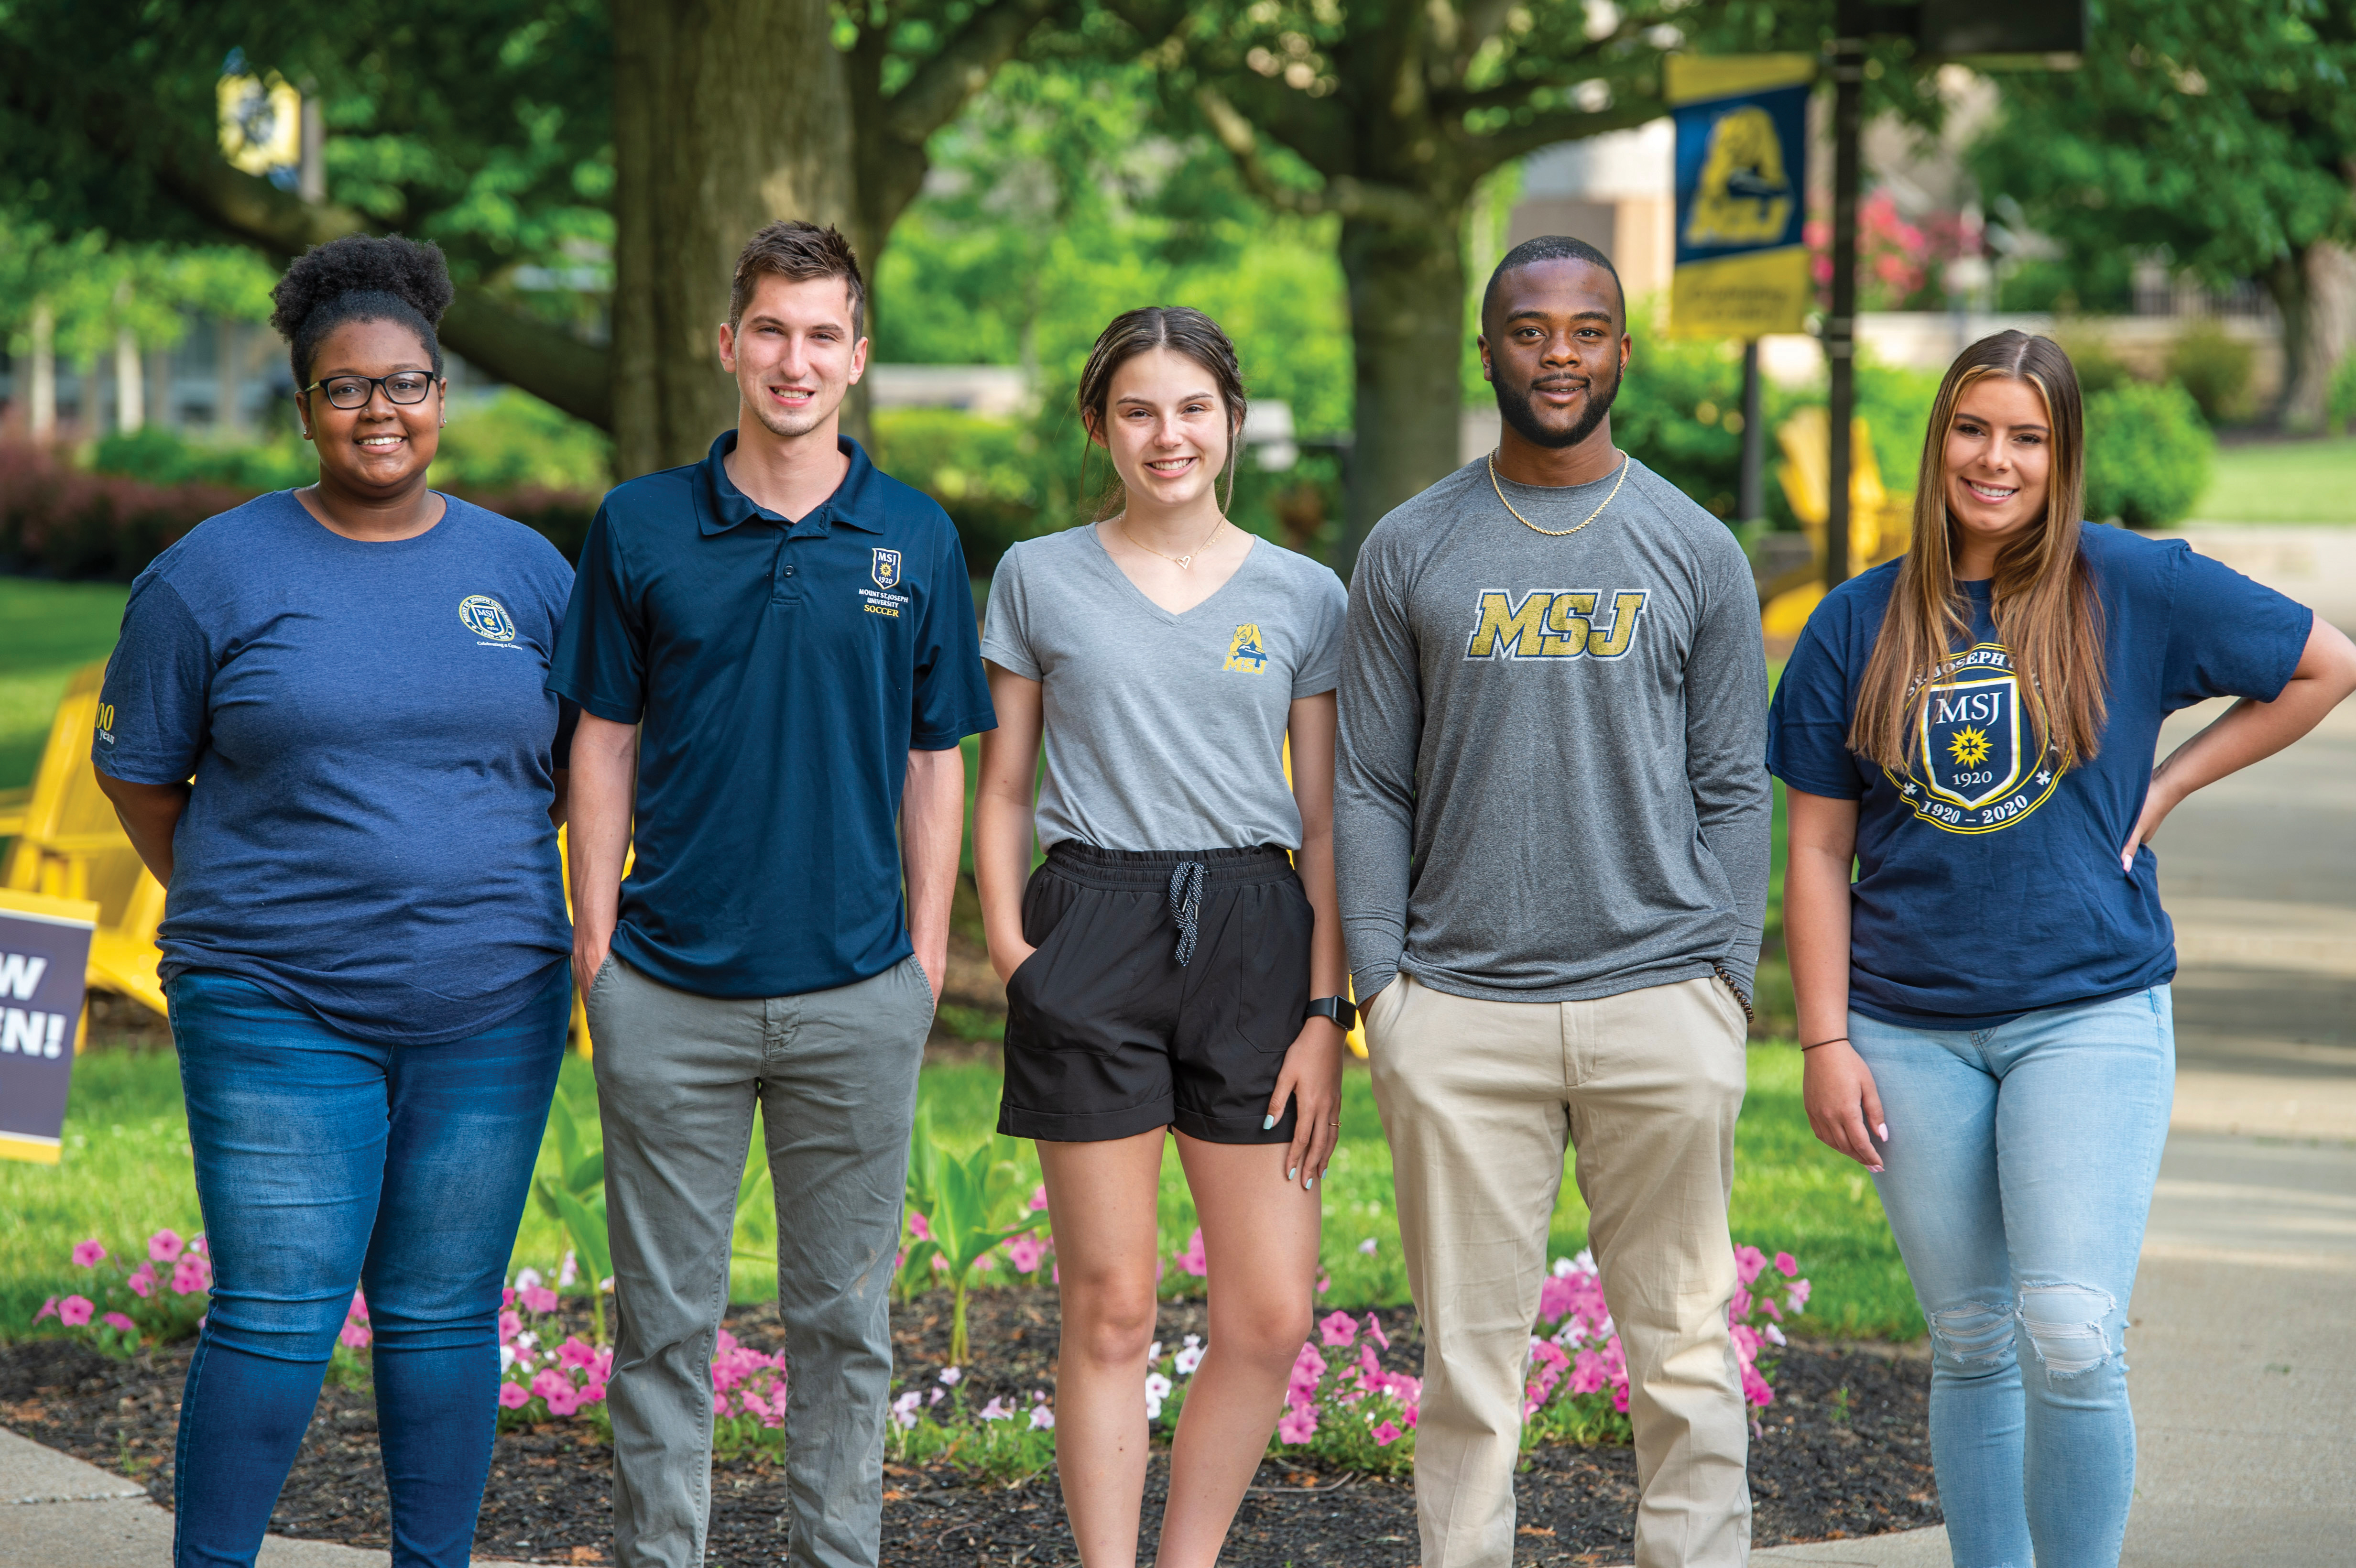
(57, 1512)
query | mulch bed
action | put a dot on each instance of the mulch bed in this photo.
(1843, 1451)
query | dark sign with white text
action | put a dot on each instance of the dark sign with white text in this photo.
(44, 956)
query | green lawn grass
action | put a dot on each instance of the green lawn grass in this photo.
(54, 628)
(2282, 482)
(126, 1172)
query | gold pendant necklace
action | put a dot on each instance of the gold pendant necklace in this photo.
(1555, 533)
(1182, 562)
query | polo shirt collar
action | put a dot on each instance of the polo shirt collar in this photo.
(857, 501)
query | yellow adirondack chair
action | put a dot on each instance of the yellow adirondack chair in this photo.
(69, 845)
(1880, 520)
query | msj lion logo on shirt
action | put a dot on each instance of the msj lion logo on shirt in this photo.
(1245, 650)
(1976, 764)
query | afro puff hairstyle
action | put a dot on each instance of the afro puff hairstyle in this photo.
(362, 277)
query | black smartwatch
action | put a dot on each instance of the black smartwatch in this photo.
(1338, 1009)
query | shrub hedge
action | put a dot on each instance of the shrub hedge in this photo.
(61, 521)
(2148, 454)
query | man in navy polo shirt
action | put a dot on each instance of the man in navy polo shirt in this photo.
(777, 646)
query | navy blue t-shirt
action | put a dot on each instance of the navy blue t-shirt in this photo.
(780, 672)
(372, 745)
(1988, 881)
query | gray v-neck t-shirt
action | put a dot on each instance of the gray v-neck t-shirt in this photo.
(1164, 731)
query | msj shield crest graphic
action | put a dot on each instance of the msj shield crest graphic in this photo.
(1971, 738)
(886, 569)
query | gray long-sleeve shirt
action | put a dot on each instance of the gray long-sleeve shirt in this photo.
(1551, 783)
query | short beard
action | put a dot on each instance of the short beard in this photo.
(1514, 406)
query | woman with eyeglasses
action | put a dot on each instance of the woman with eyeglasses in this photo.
(326, 732)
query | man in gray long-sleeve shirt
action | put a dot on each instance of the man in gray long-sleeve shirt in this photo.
(1551, 826)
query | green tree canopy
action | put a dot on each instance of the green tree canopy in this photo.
(2223, 132)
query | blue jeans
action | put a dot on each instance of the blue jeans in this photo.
(324, 1162)
(2017, 1178)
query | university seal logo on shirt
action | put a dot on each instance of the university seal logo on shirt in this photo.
(1245, 651)
(486, 618)
(886, 569)
(1976, 765)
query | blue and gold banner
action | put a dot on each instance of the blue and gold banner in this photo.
(1742, 159)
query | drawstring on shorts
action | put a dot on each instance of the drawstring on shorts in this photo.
(1186, 905)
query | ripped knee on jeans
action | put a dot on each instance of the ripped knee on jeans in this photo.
(2066, 1324)
(1978, 1333)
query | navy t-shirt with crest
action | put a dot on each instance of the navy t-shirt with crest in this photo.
(780, 672)
(372, 746)
(1988, 881)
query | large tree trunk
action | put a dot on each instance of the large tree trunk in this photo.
(1406, 327)
(2315, 290)
(727, 113)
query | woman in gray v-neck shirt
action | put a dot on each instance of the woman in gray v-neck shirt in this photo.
(1160, 965)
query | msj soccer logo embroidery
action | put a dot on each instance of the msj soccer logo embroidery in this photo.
(486, 618)
(1245, 651)
(1976, 765)
(886, 569)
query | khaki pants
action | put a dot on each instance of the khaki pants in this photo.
(1478, 1100)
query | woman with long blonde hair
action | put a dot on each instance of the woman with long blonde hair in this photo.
(1986, 1007)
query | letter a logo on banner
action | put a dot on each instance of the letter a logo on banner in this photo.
(1742, 149)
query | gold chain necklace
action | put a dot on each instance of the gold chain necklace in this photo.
(1182, 562)
(1554, 533)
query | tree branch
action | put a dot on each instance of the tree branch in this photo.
(1547, 127)
(544, 360)
(1343, 194)
(943, 84)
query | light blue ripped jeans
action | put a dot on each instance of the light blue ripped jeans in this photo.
(2018, 1176)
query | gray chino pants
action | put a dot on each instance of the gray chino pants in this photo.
(678, 1076)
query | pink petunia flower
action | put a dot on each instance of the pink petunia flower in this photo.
(510, 1325)
(1039, 1198)
(1375, 1331)
(164, 1247)
(1192, 1260)
(354, 1334)
(89, 1255)
(142, 1283)
(117, 1320)
(919, 1228)
(1786, 1264)
(1387, 1433)
(191, 1274)
(576, 1351)
(1025, 1253)
(1297, 1424)
(514, 1396)
(74, 1311)
(537, 1298)
(49, 1309)
(1747, 1263)
(563, 1401)
(997, 1410)
(1338, 1329)
(1041, 1419)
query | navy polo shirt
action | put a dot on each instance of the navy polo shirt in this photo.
(781, 671)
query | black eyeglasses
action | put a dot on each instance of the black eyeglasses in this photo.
(354, 391)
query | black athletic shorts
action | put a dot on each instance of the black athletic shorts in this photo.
(1165, 989)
